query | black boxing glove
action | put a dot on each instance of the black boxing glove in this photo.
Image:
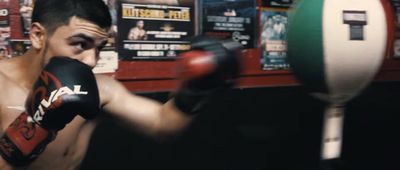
(211, 65)
(65, 88)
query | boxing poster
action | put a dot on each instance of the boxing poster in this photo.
(4, 50)
(26, 8)
(152, 31)
(396, 45)
(5, 31)
(230, 19)
(19, 46)
(112, 32)
(4, 23)
(273, 40)
(277, 3)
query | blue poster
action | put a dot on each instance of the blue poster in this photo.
(273, 40)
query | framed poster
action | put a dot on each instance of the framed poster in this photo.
(273, 40)
(230, 19)
(150, 31)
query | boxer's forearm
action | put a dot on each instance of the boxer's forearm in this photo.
(139, 113)
(172, 120)
(147, 116)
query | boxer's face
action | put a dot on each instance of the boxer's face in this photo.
(140, 24)
(81, 40)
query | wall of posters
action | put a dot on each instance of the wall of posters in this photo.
(273, 40)
(149, 31)
(230, 19)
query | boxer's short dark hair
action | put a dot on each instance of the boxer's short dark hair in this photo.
(55, 13)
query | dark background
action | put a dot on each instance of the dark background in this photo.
(271, 128)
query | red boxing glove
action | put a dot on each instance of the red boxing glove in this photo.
(196, 64)
(210, 66)
(65, 88)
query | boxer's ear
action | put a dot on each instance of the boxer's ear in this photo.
(37, 35)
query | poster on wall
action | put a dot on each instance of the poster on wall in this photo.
(152, 31)
(277, 3)
(19, 46)
(112, 32)
(230, 19)
(107, 63)
(4, 50)
(4, 31)
(396, 45)
(26, 8)
(4, 23)
(273, 40)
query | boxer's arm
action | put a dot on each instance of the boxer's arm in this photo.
(211, 66)
(145, 115)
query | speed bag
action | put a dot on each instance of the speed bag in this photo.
(336, 47)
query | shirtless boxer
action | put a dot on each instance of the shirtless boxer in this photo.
(138, 32)
(50, 98)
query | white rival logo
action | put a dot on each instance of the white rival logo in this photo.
(38, 116)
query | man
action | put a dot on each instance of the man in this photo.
(138, 32)
(49, 100)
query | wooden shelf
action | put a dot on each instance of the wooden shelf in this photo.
(153, 76)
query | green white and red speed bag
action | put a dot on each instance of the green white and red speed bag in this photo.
(336, 47)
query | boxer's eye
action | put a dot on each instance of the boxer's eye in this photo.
(80, 45)
(81, 42)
